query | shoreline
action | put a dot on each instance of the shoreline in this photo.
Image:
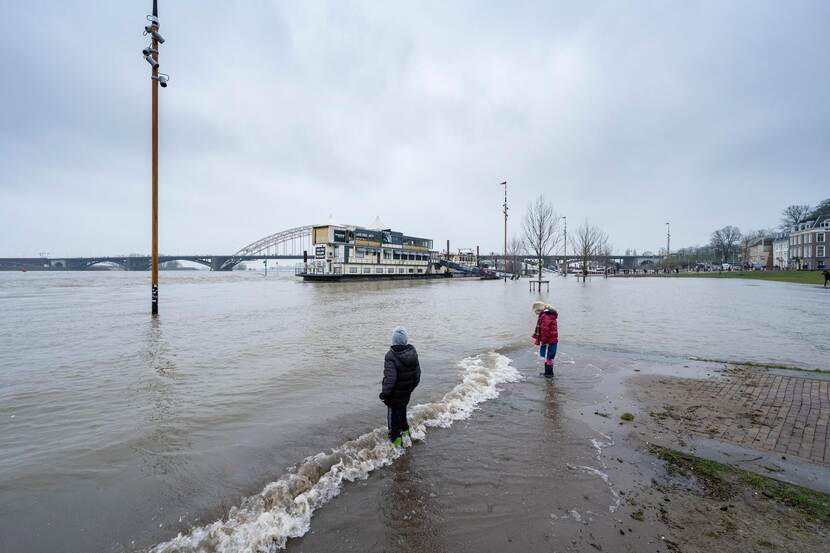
(553, 466)
(814, 278)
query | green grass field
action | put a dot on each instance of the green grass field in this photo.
(799, 277)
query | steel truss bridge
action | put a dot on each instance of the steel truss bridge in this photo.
(286, 244)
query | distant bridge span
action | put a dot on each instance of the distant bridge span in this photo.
(286, 244)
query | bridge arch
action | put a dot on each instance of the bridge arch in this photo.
(290, 243)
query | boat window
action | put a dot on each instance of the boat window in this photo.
(352, 269)
(367, 270)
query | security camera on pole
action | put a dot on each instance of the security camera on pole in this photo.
(151, 55)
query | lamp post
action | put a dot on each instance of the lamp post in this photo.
(668, 243)
(565, 247)
(151, 55)
(504, 262)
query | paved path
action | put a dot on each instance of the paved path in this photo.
(789, 415)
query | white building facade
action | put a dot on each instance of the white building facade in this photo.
(781, 251)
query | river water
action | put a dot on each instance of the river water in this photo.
(119, 432)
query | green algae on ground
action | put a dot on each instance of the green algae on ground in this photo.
(757, 365)
(627, 417)
(724, 481)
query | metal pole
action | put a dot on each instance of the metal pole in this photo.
(154, 83)
(504, 261)
(668, 242)
(566, 245)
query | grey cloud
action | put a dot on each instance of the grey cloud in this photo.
(282, 113)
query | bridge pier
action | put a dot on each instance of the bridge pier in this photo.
(217, 262)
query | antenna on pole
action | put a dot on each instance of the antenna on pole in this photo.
(155, 8)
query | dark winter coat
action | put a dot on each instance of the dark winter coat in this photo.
(401, 375)
(547, 329)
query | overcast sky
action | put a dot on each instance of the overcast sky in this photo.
(280, 114)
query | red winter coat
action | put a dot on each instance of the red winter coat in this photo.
(547, 330)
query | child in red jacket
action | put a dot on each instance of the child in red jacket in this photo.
(546, 334)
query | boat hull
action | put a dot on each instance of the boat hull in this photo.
(359, 277)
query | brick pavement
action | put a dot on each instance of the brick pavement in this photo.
(755, 408)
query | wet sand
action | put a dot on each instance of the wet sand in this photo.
(549, 466)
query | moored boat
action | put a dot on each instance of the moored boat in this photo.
(346, 253)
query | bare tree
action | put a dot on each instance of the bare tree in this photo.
(541, 230)
(793, 214)
(589, 243)
(516, 251)
(725, 240)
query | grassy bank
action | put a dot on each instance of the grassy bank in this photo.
(724, 481)
(798, 277)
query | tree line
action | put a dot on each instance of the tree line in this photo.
(543, 235)
(726, 243)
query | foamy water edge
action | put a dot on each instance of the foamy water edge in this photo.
(284, 508)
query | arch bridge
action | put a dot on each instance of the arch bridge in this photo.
(286, 244)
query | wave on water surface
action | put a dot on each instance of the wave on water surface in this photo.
(283, 509)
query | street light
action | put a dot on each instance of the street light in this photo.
(151, 56)
(504, 261)
(565, 247)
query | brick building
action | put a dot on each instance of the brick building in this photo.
(808, 244)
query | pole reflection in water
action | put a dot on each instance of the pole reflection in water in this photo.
(164, 439)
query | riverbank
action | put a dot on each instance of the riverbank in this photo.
(591, 462)
(797, 277)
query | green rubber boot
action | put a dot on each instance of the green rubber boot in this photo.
(406, 439)
(397, 442)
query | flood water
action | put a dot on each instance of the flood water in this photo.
(118, 432)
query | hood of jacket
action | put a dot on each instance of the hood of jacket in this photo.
(405, 354)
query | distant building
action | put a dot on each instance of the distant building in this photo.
(808, 244)
(760, 253)
(781, 251)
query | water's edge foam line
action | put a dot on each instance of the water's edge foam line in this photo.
(283, 509)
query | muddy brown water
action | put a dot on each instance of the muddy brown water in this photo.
(120, 432)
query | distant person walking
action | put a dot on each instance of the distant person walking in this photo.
(826, 278)
(401, 375)
(546, 334)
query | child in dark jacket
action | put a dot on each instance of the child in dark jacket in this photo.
(401, 375)
(546, 334)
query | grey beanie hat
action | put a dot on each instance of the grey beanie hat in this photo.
(400, 336)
